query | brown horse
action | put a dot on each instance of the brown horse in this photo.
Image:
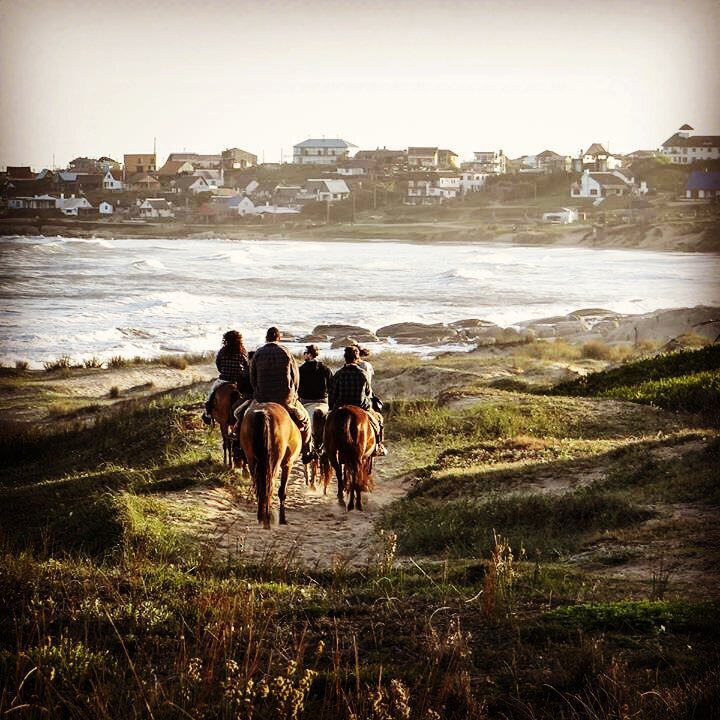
(313, 470)
(349, 447)
(271, 442)
(223, 400)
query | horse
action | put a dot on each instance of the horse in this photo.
(313, 470)
(271, 442)
(224, 397)
(349, 444)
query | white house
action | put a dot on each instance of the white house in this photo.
(155, 208)
(683, 148)
(596, 159)
(214, 178)
(601, 184)
(565, 216)
(316, 189)
(472, 181)
(428, 190)
(112, 182)
(491, 162)
(105, 208)
(37, 202)
(190, 184)
(72, 205)
(242, 205)
(321, 151)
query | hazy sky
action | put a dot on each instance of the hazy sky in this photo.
(100, 77)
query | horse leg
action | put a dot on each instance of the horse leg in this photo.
(350, 482)
(340, 484)
(284, 475)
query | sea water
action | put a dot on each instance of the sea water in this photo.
(145, 297)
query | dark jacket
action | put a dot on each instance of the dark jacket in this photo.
(350, 386)
(234, 367)
(314, 380)
(274, 374)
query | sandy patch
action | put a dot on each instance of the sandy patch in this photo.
(320, 532)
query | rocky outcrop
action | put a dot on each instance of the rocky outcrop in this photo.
(336, 333)
(413, 333)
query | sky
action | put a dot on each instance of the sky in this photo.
(101, 77)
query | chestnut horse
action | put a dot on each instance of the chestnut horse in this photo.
(223, 399)
(271, 442)
(349, 447)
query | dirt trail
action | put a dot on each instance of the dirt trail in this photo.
(320, 533)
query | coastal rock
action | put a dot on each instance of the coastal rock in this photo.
(331, 332)
(342, 342)
(312, 338)
(473, 329)
(419, 333)
(665, 325)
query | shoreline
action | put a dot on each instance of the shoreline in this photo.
(598, 326)
(686, 236)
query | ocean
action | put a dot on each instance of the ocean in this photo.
(142, 297)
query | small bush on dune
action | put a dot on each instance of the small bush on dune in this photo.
(61, 363)
(550, 350)
(179, 362)
(92, 362)
(21, 365)
(117, 361)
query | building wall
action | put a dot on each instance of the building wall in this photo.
(137, 163)
(318, 156)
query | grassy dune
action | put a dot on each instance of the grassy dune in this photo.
(555, 557)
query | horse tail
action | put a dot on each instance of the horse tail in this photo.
(262, 470)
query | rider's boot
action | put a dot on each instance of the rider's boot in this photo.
(206, 417)
(380, 449)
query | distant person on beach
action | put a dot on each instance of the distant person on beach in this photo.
(350, 386)
(233, 364)
(275, 377)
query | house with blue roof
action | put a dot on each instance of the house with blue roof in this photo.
(703, 185)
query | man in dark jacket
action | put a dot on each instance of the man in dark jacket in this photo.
(350, 386)
(275, 377)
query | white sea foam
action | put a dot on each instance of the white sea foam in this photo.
(138, 297)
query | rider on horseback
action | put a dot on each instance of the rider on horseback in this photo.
(350, 386)
(314, 378)
(234, 367)
(274, 376)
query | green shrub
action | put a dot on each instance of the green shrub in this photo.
(692, 393)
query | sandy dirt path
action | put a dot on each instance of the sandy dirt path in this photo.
(320, 533)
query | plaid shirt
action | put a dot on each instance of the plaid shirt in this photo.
(274, 374)
(232, 367)
(350, 386)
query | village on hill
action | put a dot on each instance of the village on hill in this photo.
(332, 181)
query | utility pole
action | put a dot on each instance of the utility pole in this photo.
(327, 211)
(352, 221)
